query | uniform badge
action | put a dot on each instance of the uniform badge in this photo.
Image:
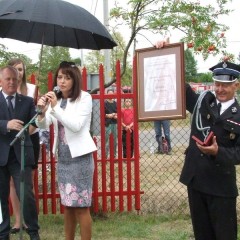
(232, 136)
(212, 104)
(234, 109)
(208, 116)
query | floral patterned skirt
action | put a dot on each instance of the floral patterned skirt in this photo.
(75, 178)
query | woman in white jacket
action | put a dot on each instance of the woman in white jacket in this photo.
(70, 112)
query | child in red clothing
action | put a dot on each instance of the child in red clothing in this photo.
(127, 126)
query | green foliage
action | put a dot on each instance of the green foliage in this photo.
(50, 59)
(5, 56)
(203, 77)
(198, 23)
(94, 58)
(190, 66)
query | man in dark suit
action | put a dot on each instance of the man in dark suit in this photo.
(15, 111)
(209, 168)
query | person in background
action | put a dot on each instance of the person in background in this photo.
(209, 169)
(16, 111)
(110, 121)
(30, 90)
(127, 126)
(70, 112)
(164, 125)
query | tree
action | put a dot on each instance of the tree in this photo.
(5, 56)
(50, 59)
(203, 77)
(190, 66)
(95, 58)
(202, 33)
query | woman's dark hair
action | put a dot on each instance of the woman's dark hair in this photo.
(16, 61)
(70, 69)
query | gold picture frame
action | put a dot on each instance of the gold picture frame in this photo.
(161, 83)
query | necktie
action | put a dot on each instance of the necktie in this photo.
(10, 106)
(219, 108)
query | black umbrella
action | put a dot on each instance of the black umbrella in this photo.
(52, 23)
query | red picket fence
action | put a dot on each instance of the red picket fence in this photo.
(116, 183)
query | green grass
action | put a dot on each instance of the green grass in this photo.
(125, 226)
(122, 226)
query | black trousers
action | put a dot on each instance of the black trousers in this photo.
(213, 217)
(36, 148)
(124, 143)
(29, 204)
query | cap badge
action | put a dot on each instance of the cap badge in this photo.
(224, 65)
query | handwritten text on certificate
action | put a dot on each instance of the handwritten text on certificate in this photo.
(160, 83)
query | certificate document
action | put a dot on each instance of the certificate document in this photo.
(160, 83)
(160, 86)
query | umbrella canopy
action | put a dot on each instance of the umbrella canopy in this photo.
(53, 23)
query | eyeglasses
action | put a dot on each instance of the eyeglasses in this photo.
(67, 64)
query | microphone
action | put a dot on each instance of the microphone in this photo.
(56, 90)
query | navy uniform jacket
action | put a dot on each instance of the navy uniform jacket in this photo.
(214, 175)
(24, 111)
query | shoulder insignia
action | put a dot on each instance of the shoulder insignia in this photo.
(234, 109)
(212, 104)
(232, 136)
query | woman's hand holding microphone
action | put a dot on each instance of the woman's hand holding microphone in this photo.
(44, 101)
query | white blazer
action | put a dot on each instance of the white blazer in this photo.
(76, 119)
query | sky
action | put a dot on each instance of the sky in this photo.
(96, 8)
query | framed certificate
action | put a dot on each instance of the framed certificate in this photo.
(161, 83)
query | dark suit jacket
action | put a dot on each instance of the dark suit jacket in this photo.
(205, 173)
(24, 111)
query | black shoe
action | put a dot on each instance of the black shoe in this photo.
(34, 236)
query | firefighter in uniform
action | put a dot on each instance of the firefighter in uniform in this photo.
(214, 150)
